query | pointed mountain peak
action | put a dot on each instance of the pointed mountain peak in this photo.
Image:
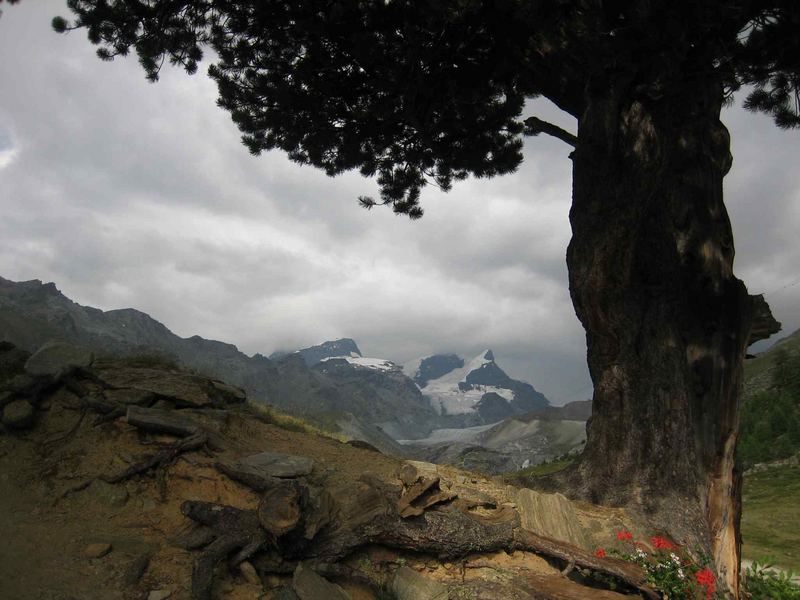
(489, 355)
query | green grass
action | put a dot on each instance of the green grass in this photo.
(771, 517)
(523, 477)
(268, 414)
(762, 366)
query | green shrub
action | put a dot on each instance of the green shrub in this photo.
(763, 583)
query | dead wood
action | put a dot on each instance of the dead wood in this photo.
(160, 459)
(371, 518)
(231, 530)
(279, 509)
(249, 477)
(627, 572)
(67, 435)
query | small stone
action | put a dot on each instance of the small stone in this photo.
(310, 586)
(249, 573)
(97, 550)
(159, 594)
(410, 585)
(136, 569)
(109, 494)
(18, 414)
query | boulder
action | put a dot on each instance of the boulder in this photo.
(410, 585)
(18, 414)
(130, 396)
(550, 515)
(184, 390)
(56, 359)
(156, 420)
(228, 394)
(12, 360)
(310, 586)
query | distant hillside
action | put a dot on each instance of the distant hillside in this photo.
(770, 421)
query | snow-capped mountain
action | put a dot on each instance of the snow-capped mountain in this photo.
(344, 349)
(455, 386)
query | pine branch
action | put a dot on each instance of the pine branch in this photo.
(535, 126)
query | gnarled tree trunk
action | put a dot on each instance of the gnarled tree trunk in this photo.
(667, 322)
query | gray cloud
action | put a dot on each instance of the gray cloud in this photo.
(131, 194)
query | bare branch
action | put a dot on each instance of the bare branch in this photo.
(535, 126)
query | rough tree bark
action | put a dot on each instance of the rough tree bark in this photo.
(651, 278)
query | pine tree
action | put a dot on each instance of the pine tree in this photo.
(432, 91)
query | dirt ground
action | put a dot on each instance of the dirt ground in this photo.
(45, 528)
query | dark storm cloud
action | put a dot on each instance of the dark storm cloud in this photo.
(131, 194)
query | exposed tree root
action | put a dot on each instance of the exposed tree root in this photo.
(372, 518)
(67, 435)
(160, 459)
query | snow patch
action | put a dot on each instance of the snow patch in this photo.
(411, 368)
(379, 364)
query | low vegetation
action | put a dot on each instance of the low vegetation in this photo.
(523, 477)
(770, 421)
(269, 414)
(761, 581)
(769, 522)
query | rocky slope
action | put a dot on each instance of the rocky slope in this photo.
(515, 443)
(127, 481)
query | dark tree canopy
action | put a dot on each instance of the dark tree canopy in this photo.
(418, 91)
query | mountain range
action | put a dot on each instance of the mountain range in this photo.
(332, 385)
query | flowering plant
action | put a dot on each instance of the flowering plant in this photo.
(668, 566)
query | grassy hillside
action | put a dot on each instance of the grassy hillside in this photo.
(770, 422)
(770, 527)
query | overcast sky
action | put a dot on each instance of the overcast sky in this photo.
(130, 194)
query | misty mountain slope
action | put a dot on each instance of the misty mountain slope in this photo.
(515, 443)
(32, 313)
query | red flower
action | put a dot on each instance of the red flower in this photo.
(600, 553)
(661, 543)
(624, 535)
(706, 579)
